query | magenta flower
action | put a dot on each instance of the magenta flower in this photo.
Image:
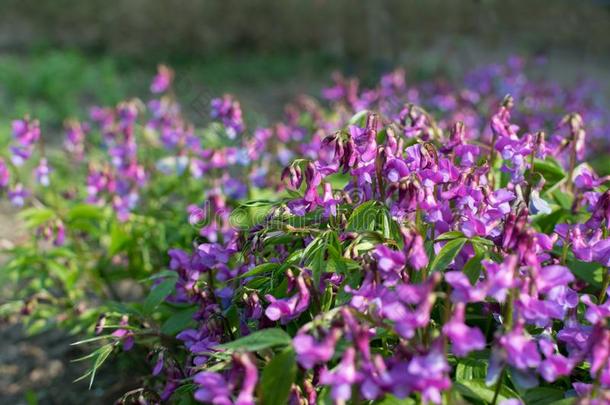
(463, 338)
(212, 388)
(311, 352)
(4, 174)
(74, 141)
(521, 350)
(553, 276)
(414, 249)
(228, 111)
(287, 309)
(390, 263)
(125, 335)
(42, 172)
(162, 81)
(17, 195)
(342, 377)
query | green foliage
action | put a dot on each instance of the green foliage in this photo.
(259, 340)
(278, 376)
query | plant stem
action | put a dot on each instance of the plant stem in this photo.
(605, 284)
(492, 159)
(606, 280)
(569, 180)
(498, 386)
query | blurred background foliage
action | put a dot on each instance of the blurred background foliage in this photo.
(59, 56)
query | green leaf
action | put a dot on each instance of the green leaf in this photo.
(278, 377)
(118, 239)
(564, 200)
(158, 294)
(447, 254)
(100, 355)
(543, 396)
(551, 170)
(58, 269)
(259, 340)
(85, 211)
(450, 235)
(260, 269)
(472, 269)
(34, 217)
(592, 273)
(315, 257)
(547, 223)
(178, 321)
(476, 389)
(470, 368)
(477, 240)
(359, 118)
(565, 401)
(364, 217)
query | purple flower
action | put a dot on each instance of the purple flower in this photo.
(125, 335)
(553, 276)
(463, 338)
(468, 154)
(287, 309)
(396, 169)
(199, 342)
(554, 365)
(26, 132)
(250, 378)
(342, 377)
(390, 263)
(328, 201)
(42, 173)
(311, 352)
(428, 374)
(212, 388)
(159, 364)
(162, 80)
(462, 290)
(500, 277)
(521, 350)
(539, 312)
(4, 174)
(74, 141)
(595, 313)
(17, 195)
(414, 249)
(228, 111)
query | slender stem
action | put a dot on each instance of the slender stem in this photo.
(569, 180)
(606, 280)
(498, 386)
(605, 284)
(492, 159)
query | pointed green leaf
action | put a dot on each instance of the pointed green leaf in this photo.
(447, 254)
(158, 294)
(472, 269)
(476, 389)
(178, 321)
(278, 377)
(450, 235)
(259, 340)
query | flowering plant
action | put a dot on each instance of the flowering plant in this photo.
(395, 259)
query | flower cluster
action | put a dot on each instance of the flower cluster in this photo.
(437, 259)
(396, 257)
